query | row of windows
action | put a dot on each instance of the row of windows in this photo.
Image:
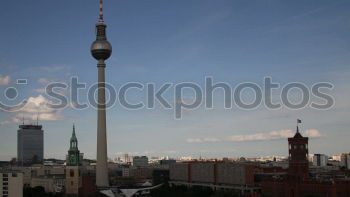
(290, 155)
(5, 176)
(296, 146)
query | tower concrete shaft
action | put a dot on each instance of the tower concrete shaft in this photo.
(101, 166)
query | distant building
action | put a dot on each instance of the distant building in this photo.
(160, 176)
(51, 184)
(30, 145)
(167, 161)
(127, 158)
(140, 161)
(345, 160)
(216, 175)
(320, 160)
(126, 171)
(11, 184)
(336, 157)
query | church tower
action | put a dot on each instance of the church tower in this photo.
(73, 152)
(298, 156)
(73, 167)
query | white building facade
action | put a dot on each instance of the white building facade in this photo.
(320, 160)
(11, 184)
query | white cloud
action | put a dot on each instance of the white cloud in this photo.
(34, 109)
(55, 68)
(5, 122)
(272, 135)
(313, 133)
(201, 140)
(4, 80)
(43, 81)
(40, 90)
(262, 136)
(37, 105)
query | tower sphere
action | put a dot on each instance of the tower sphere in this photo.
(101, 49)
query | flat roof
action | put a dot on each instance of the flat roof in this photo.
(30, 126)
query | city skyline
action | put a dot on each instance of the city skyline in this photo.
(153, 43)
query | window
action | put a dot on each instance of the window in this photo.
(6, 183)
(5, 179)
(5, 188)
(71, 172)
(5, 175)
(14, 174)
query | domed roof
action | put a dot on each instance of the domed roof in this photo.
(101, 49)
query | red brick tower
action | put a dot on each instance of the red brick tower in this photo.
(298, 157)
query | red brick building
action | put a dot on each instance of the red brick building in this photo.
(297, 183)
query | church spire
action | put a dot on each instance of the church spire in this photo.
(73, 158)
(73, 134)
(73, 140)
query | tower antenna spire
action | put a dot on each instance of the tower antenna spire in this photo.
(100, 19)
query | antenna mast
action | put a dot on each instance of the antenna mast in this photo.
(101, 12)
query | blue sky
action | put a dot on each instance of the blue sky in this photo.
(161, 41)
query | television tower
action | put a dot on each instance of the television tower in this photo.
(101, 50)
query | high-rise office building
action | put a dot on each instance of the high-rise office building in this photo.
(30, 145)
(140, 161)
